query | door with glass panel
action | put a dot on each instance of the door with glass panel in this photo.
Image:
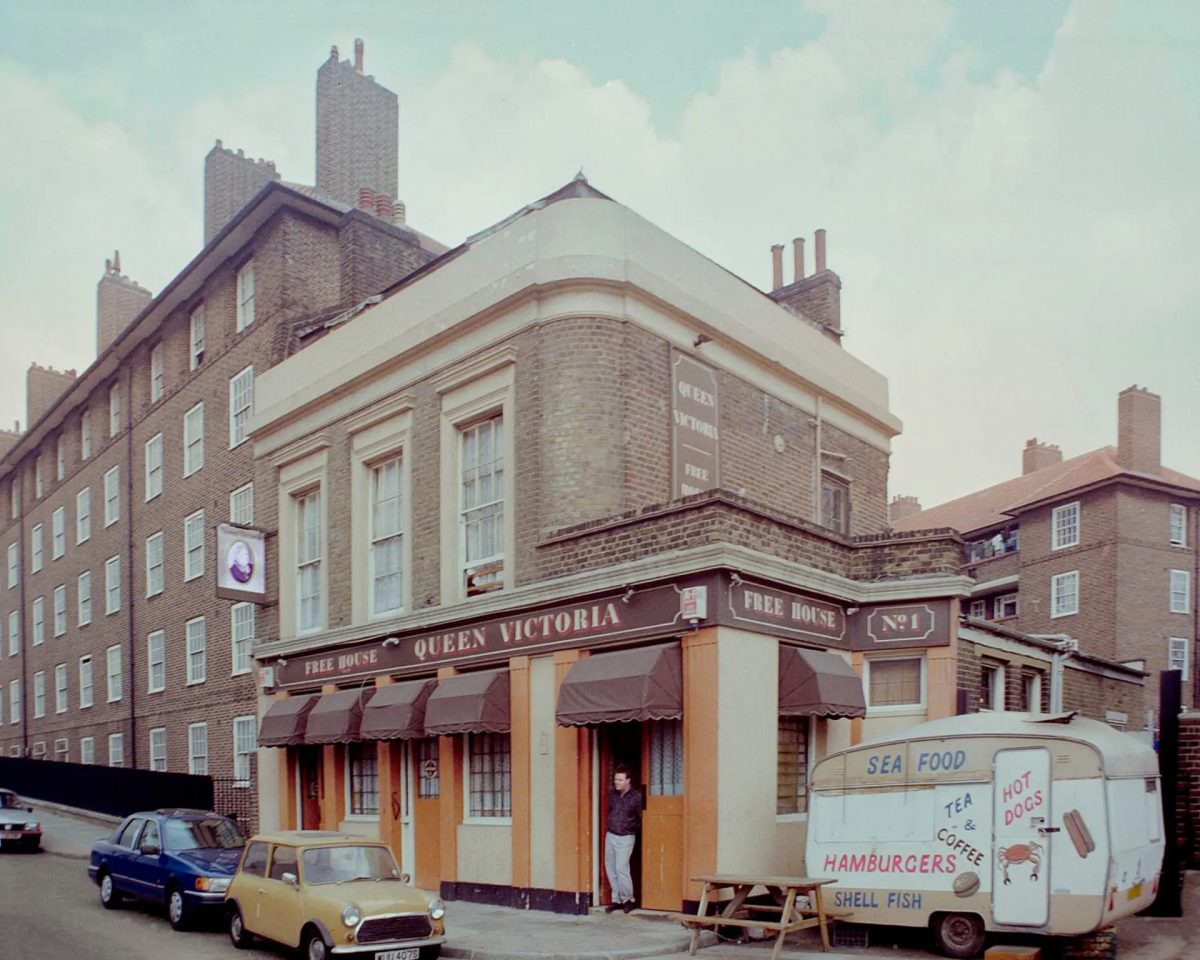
(662, 822)
(426, 829)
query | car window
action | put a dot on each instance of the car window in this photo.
(9, 801)
(150, 834)
(255, 861)
(283, 860)
(211, 833)
(128, 836)
(349, 862)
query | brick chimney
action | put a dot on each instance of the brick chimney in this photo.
(818, 298)
(9, 438)
(1139, 430)
(118, 301)
(231, 179)
(43, 386)
(1037, 455)
(903, 507)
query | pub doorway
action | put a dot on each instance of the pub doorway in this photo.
(308, 785)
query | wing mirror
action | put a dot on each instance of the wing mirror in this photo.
(150, 849)
(290, 879)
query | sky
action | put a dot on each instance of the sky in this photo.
(1009, 187)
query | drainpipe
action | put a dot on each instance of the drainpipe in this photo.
(1067, 648)
(816, 510)
(22, 576)
(127, 574)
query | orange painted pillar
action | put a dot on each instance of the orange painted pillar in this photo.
(388, 762)
(522, 810)
(333, 780)
(285, 769)
(572, 794)
(450, 761)
(700, 770)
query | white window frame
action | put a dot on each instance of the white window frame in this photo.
(504, 505)
(37, 618)
(116, 758)
(1065, 526)
(193, 546)
(895, 708)
(14, 566)
(1177, 521)
(245, 296)
(62, 692)
(241, 405)
(193, 439)
(112, 585)
(39, 484)
(14, 632)
(58, 533)
(83, 599)
(245, 729)
(301, 472)
(60, 457)
(158, 749)
(60, 609)
(62, 750)
(153, 461)
(977, 610)
(1179, 596)
(310, 504)
(365, 748)
(198, 749)
(241, 505)
(87, 750)
(156, 660)
(1032, 683)
(196, 337)
(112, 495)
(375, 540)
(997, 687)
(156, 564)
(114, 673)
(475, 818)
(85, 435)
(87, 693)
(1179, 656)
(1058, 583)
(157, 372)
(114, 409)
(243, 621)
(83, 516)
(37, 555)
(14, 701)
(39, 694)
(196, 650)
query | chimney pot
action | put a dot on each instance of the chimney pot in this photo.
(358, 56)
(383, 207)
(798, 258)
(776, 266)
(366, 199)
(820, 243)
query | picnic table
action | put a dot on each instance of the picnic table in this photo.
(738, 913)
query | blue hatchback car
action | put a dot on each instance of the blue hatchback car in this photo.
(182, 859)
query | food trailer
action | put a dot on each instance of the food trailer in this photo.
(1029, 823)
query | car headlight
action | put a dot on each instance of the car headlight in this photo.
(437, 909)
(32, 825)
(351, 915)
(212, 884)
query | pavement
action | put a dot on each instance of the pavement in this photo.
(480, 932)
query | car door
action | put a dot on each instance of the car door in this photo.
(121, 863)
(280, 899)
(147, 863)
(247, 887)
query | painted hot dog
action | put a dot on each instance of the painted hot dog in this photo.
(1079, 833)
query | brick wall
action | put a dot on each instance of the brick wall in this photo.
(230, 180)
(1093, 695)
(1188, 795)
(371, 252)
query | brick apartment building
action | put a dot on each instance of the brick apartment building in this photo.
(574, 495)
(1100, 548)
(114, 648)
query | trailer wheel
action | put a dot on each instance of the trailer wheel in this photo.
(958, 935)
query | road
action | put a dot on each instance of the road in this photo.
(49, 909)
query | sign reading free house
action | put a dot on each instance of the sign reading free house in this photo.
(241, 563)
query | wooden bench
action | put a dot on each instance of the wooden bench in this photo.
(737, 913)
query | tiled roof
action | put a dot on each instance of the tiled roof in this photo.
(993, 505)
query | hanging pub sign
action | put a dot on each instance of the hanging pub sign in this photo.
(695, 457)
(241, 563)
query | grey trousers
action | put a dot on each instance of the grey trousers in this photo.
(617, 851)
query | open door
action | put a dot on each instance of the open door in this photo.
(619, 743)
(1021, 850)
(426, 826)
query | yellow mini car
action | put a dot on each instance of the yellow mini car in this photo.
(331, 895)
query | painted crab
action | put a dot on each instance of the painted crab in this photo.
(1030, 853)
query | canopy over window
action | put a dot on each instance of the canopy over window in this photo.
(469, 703)
(336, 716)
(645, 683)
(819, 684)
(284, 722)
(397, 711)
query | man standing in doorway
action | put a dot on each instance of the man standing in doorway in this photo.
(624, 822)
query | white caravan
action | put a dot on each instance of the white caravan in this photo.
(1034, 823)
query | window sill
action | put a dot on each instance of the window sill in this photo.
(791, 818)
(361, 818)
(897, 710)
(487, 821)
(196, 683)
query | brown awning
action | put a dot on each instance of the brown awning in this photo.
(336, 716)
(397, 711)
(819, 684)
(469, 703)
(283, 724)
(644, 683)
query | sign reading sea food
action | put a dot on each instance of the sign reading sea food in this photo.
(695, 453)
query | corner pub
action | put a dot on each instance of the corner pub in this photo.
(573, 495)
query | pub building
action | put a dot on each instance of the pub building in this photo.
(573, 495)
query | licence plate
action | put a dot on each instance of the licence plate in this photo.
(10, 834)
(409, 953)
(1135, 891)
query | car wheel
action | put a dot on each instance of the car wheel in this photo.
(238, 934)
(109, 898)
(431, 953)
(314, 946)
(33, 844)
(179, 915)
(958, 935)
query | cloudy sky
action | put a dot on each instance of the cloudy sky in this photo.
(1010, 187)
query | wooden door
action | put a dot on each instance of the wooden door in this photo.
(662, 823)
(426, 829)
(309, 761)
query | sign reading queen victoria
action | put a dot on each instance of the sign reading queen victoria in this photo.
(241, 564)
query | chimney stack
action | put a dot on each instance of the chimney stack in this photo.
(118, 301)
(1037, 456)
(776, 266)
(820, 243)
(798, 259)
(903, 507)
(358, 56)
(1139, 430)
(43, 387)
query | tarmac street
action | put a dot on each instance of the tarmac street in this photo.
(49, 908)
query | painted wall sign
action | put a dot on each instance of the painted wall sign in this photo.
(783, 612)
(925, 624)
(241, 563)
(695, 414)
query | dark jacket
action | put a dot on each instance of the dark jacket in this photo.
(624, 812)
